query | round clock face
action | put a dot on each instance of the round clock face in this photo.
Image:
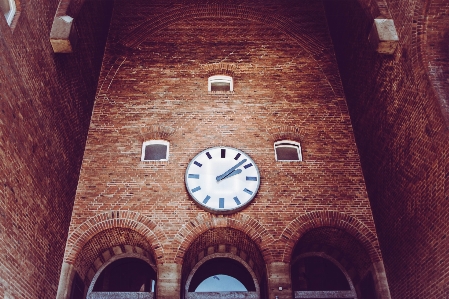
(222, 179)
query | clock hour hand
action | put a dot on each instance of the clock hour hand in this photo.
(222, 176)
(236, 171)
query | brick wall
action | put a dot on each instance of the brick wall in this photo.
(402, 137)
(45, 101)
(153, 84)
(395, 105)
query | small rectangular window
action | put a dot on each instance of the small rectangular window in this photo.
(287, 150)
(8, 7)
(155, 150)
(220, 83)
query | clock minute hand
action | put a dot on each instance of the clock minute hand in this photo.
(222, 176)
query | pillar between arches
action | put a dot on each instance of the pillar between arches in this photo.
(380, 281)
(65, 281)
(168, 281)
(279, 281)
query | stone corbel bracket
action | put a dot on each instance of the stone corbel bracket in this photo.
(63, 35)
(383, 35)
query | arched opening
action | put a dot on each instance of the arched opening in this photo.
(126, 275)
(320, 276)
(223, 263)
(232, 273)
(115, 263)
(222, 275)
(328, 262)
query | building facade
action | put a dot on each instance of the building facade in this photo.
(88, 210)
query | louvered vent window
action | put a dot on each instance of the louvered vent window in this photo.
(220, 83)
(287, 150)
(155, 150)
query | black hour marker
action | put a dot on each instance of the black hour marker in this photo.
(237, 156)
(248, 191)
(221, 203)
(248, 165)
(196, 176)
(251, 178)
(196, 189)
(198, 164)
(223, 153)
(237, 201)
(208, 155)
(206, 199)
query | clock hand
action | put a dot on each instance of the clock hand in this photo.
(222, 176)
(237, 171)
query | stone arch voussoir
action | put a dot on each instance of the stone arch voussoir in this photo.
(204, 222)
(113, 219)
(304, 223)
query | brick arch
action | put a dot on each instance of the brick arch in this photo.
(204, 222)
(141, 32)
(287, 132)
(113, 219)
(156, 132)
(221, 68)
(304, 223)
(320, 53)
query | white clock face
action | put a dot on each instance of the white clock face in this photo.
(222, 179)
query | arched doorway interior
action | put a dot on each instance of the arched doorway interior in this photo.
(222, 275)
(328, 262)
(127, 276)
(316, 275)
(223, 263)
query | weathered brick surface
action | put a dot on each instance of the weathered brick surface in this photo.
(395, 105)
(286, 85)
(45, 101)
(402, 137)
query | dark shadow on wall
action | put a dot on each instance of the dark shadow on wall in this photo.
(78, 74)
(401, 138)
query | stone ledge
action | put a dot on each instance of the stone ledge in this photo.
(383, 36)
(120, 295)
(63, 36)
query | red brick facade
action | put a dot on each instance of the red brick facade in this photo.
(153, 85)
(45, 106)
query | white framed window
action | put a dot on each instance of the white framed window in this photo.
(8, 8)
(155, 150)
(287, 150)
(220, 83)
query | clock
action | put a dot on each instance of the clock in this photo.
(222, 179)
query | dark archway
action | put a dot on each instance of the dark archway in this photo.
(317, 275)
(129, 276)
(328, 262)
(126, 275)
